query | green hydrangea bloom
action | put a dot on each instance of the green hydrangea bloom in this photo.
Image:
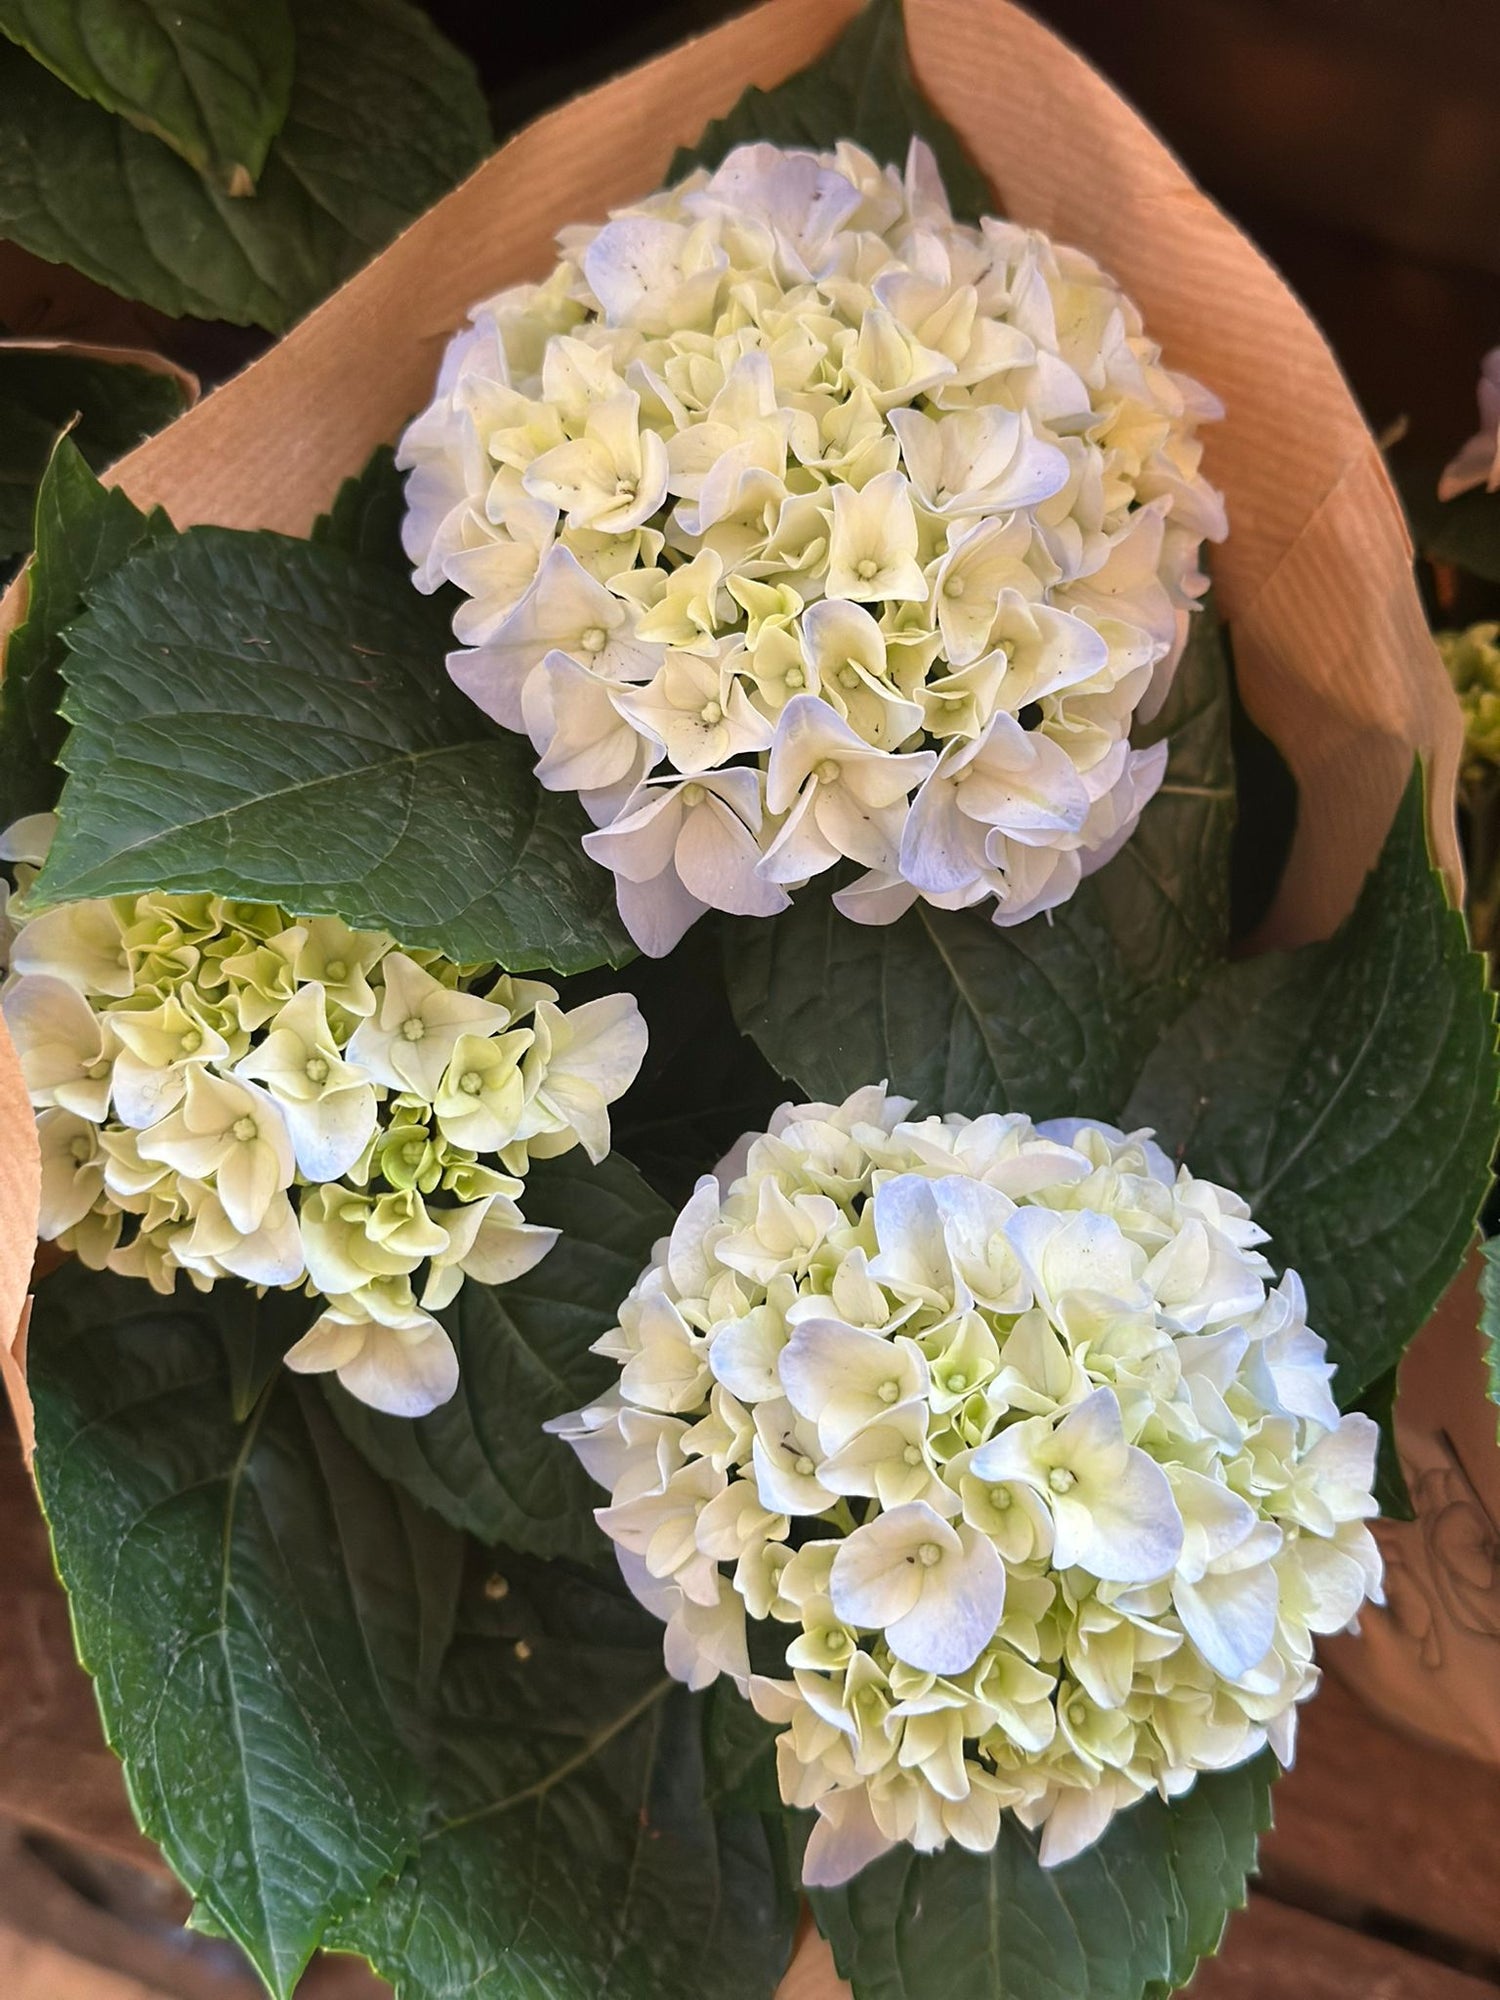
(226, 1089)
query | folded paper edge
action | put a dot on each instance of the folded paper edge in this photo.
(1082, 164)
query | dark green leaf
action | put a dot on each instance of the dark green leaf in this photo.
(861, 89)
(213, 78)
(217, 1572)
(1165, 896)
(386, 115)
(740, 1753)
(1053, 1017)
(1464, 531)
(1127, 1920)
(366, 515)
(1348, 1092)
(41, 392)
(264, 717)
(572, 1852)
(482, 1460)
(1265, 820)
(946, 1008)
(1379, 1401)
(83, 532)
(1489, 1315)
(703, 1083)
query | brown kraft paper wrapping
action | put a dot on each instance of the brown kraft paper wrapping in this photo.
(1334, 657)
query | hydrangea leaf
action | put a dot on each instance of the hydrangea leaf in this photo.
(1051, 1017)
(219, 1609)
(312, 1682)
(212, 78)
(366, 515)
(1165, 896)
(1127, 1920)
(1265, 812)
(740, 1750)
(42, 391)
(947, 1009)
(703, 1084)
(386, 115)
(482, 1460)
(1464, 531)
(1489, 1315)
(82, 532)
(1348, 1092)
(572, 1850)
(861, 89)
(264, 717)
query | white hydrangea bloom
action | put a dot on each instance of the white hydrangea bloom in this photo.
(225, 1091)
(785, 482)
(1008, 1436)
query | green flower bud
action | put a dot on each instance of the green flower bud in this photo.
(407, 1155)
(1473, 662)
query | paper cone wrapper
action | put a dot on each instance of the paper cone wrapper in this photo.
(1430, 1661)
(1334, 657)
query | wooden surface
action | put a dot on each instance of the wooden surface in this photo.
(1277, 1952)
(1375, 1827)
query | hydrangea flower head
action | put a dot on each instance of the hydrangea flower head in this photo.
(226, 1090)
(1002, 1440)
(1472, 658)
(800, 524)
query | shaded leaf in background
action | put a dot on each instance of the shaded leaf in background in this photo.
(1127, 1920)
(1489, 1315)
(1174, 931)
(264, 717)
(42, 389)
(214, 1604)
(212, 78)
(1348, 1092)
(1052, 1017)
(861, 89)
(703, 1084)
(82, 532)
(1165, 896)
(482, 1461)
(385, 116)
(366, 515)
(1265, 819)
(739, 1752)
(1464, 531)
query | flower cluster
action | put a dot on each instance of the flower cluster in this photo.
(1005, 1429)
(1472, 658)
(798, 523)
(224, 1090)
(1478, 463)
